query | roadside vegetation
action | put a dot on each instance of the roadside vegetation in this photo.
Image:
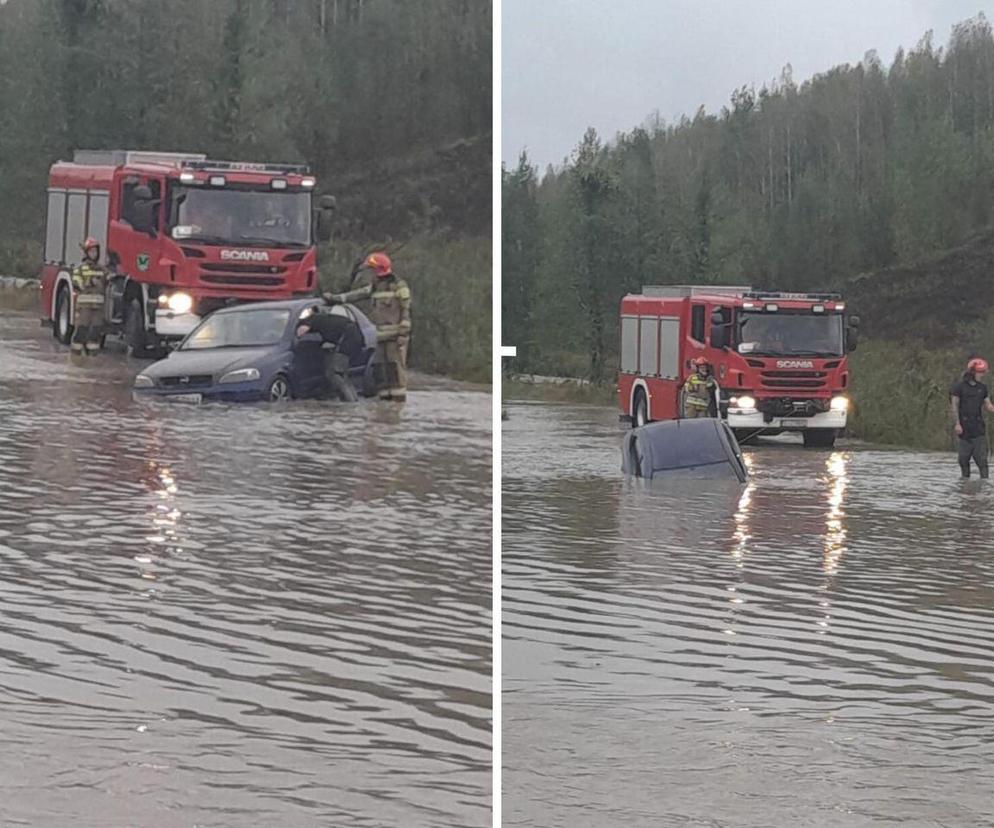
(388, 101)
(793, 186)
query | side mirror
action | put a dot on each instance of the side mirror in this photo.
(852, 339)
(327, 203)
(853, 322)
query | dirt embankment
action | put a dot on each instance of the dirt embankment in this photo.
(928, 301)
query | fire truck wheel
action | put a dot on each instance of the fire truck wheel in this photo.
(640, 410)
(819, 438)
(62, 329)
(134, 331)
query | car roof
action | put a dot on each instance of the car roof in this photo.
(285, 304)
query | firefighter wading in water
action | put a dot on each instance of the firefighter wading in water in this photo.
(698, 390)
(89, 280)
(970, 400)
(391, 313)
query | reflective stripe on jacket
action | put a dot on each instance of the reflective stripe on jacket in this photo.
(698, 390)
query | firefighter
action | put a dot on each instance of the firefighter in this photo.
(340, 337)
(89, 280)
(391, 313)
(698, 390)
(969, 401)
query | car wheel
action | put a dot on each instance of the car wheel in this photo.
(63, 310)
(279, 389)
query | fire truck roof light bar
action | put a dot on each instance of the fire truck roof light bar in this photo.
(784, 295)
(236, 166)
(679, 291)
(118, 158)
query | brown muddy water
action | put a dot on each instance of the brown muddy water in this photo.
(813, 648)
(239, 616)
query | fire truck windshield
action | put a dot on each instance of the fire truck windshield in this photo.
(794, 333)
(269, 218)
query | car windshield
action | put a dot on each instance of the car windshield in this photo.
(270, 218)
(239, 329)
(797, 334)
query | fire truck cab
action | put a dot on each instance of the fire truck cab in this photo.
(181, 235)
(779, 359)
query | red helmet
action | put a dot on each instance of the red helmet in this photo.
(977, 365)
(380, 264)
(700, 362)
(90, 242)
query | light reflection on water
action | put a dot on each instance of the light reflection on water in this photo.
(247, 616)
(810, 648)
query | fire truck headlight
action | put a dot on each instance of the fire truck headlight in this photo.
(180, 303)
(241, 375)
(746, 403)
(141, 381)
(840, 404)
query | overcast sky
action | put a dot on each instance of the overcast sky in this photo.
(570, 64)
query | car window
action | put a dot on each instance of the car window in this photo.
(245, 328)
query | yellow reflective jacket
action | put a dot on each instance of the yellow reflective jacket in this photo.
(90, 281)
(390, 310)
(698, 390)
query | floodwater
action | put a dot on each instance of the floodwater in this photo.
(812, 648)
(239, 616)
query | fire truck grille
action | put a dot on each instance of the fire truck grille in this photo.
(186, 381)
(213, 267)
(246, 281)
(794, 379)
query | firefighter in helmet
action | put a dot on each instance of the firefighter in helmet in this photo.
(89, 281)
(698, 390)
(391, 313)
(970, 399)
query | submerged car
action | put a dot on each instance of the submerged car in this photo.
(252, 352)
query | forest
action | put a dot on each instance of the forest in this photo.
(862, 168)
(388, 101)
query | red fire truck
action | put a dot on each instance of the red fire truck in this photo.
(779, 358)
(183, 235)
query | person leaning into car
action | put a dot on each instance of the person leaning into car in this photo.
(341, 337)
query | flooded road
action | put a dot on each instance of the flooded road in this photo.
(813, 648)
(239, 616)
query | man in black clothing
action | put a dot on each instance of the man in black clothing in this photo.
(342, 338)
(970, 400)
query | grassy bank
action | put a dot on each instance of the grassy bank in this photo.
(19, 299)
(900, 393)
(571, 392)
(451, 306)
